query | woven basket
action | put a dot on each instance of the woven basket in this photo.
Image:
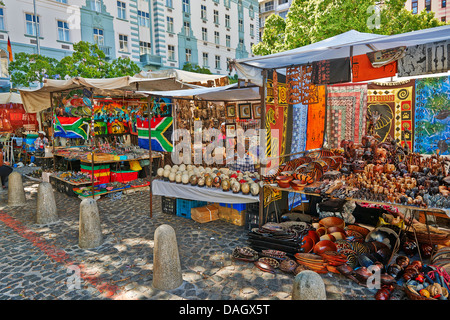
(413, 295)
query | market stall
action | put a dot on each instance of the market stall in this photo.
(368, 148)
(200, 180)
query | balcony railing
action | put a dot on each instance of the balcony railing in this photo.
(150, 59)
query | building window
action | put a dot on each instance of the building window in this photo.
(62, 1)
(226, 3)
(444, 3)
(145, 47)
(252, 30)
(251, 11)
(205, 59)
(63, 31)
(171, 52)
(188, 55)
(216, 17)
(443, 19)
(2, 19)
(280, 2)
(121, 10)
(283, 14)
(169, 3)
(187, 28)
(241, 25)
(217, 62)
(96, 5)
(204, 34)
(143, 19)
(414, 7)
(216, 37)
(228, 40)
(428, 5)
(186, 6)
(227, 20)
(123, 43)
(170, 24)
(31, 24)
(98, 37)
(241, 44)
(203, 12)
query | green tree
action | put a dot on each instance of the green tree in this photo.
(195, 68)
(309, 21)
(87, 61)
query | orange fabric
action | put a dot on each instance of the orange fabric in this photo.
(362, 69)
(316, 121)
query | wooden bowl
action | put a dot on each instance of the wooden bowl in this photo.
(307, 244)
(297, 185)
(328, 237)
(313, 235)
(284, 181)
(329, 222)
(335, 229)
(323, 246)
(321, 231)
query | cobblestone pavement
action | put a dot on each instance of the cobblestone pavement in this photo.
(44, 261)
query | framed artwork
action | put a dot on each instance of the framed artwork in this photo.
(231, 110)
(230, 130)
(256, 110)
(245, 111)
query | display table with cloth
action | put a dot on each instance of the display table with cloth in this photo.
(187, 191)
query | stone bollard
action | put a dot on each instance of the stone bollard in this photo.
(308, 285)
(16, 192)
(166, 260)
(46, 211)
(90, 231)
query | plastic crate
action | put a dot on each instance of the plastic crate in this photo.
(96, 167)
(169, 205)
(184, 207)
(123, 176)
(236, 206)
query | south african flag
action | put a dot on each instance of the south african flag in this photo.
(161, 131)
(71, 127)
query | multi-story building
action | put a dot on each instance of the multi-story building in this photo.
(439, 7)
(155, 34)
(268, 7)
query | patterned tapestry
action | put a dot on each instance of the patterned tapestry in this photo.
(300, 87)
(299, 124)
(331, 71)
(276, 124)
(425, 59)
(316, 120)
(432, 115)
(346, 113)
(394, 101)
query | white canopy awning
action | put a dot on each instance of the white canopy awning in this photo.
(180, 75)
(232, 92)
(348, 44)
(10, 97)
(35, 100)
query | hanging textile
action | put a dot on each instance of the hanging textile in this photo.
(275, 125)
(316, 120)
(394, 101)
(299, 125)
(432, 115)
(300, 87)
(425, 59)
(346, 113)
(363, 70)
(161, 132)
(71, 127)
(331, 71)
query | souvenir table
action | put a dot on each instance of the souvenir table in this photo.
(187, 191)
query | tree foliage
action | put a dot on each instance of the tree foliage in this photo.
(87, 61)
(195, 68)
(309, 21)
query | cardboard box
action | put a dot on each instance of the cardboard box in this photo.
(205, 214)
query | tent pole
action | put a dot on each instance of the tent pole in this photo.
(262, 153)
(91, 132)
(53, 130)
(150, 157)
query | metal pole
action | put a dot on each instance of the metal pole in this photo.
(150, 156)
(92, 133)
(53, 130)
(262, 91)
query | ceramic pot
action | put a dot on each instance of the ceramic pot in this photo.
(226, 185)
(254, 189)
(201, 182)
(193, 180)
(236, 187)
(245, 188)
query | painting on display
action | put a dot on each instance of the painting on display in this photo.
(432, 115)
(245, 111)
(394, 102)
